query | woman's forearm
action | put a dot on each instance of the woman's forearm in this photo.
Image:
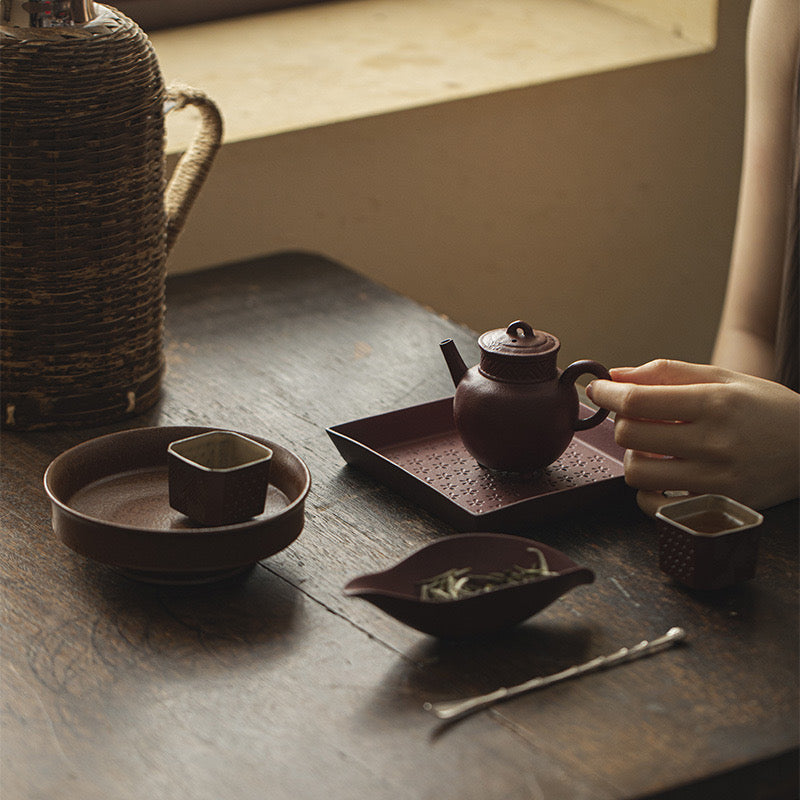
(744, 351)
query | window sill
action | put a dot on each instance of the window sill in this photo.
(317, 65)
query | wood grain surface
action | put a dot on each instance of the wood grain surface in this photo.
(275, 685)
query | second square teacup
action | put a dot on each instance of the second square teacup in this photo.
(708, 541)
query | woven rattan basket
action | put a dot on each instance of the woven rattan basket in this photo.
(87, 219)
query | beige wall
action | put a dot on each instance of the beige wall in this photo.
(598, 208)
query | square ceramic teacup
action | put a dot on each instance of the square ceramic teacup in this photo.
(219, 477)
(708, 541)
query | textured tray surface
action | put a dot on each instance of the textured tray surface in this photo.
(443, 463)
(418, 452)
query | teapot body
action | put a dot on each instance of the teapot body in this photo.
(516, 427)
(516, 411)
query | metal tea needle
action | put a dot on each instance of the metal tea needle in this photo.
(455, 709)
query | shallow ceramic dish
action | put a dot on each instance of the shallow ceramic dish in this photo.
(110, 502)
(397, 589)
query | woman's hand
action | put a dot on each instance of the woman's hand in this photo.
(704, 429)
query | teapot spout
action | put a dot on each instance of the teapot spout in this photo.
(454, 361)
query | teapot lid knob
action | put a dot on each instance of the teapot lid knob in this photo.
(513, 330)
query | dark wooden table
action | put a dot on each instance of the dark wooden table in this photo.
(275, 685)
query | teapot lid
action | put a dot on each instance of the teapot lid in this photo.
(518, 339)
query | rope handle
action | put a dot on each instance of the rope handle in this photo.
(193, 166)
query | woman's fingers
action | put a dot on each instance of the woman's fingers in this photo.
(696, 428)
(667, 371)
(650, 502)
(644, 471)
(677, 439)
(661, 390)
(684, 403)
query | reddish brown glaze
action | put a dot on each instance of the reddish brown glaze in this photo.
(516, 411)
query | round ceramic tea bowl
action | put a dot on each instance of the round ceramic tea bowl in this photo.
(110, 502)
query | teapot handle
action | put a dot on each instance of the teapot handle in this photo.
(568, 377)
(193, 166)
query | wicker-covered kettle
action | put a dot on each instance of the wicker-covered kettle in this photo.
(86, 214)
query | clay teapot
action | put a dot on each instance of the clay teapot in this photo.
(516, 411)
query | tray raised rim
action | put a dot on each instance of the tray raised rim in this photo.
(359, 453)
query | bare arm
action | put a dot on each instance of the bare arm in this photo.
(746, 337)
(723, 428)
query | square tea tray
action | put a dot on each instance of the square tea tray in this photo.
(418, 452)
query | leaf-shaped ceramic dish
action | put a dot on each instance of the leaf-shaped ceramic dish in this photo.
(397, 589)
